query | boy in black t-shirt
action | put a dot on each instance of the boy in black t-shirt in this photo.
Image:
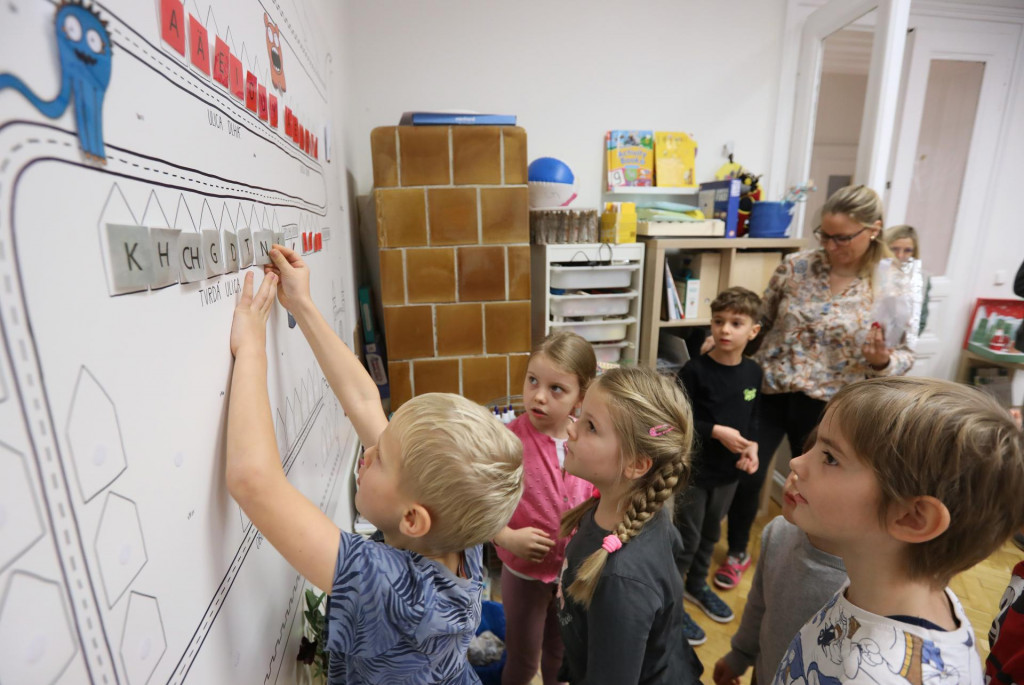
(723, 386)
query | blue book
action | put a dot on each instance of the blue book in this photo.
(456, 118)
(721, 200)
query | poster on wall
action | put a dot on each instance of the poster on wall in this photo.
(144, 169)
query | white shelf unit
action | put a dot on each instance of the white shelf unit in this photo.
(650, 190)
(613, 277)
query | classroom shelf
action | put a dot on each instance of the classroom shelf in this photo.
(650, 190)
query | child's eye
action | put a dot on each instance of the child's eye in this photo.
(830, 460)
(556, 388)
(531, 380)
(591, 427)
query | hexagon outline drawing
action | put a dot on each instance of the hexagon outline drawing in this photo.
(132, 604)
(11, 481)
(101, 482)
(50, 627)
(128, 519)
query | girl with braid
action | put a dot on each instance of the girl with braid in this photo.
(621, 608)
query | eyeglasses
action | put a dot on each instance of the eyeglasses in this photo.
(839, 240)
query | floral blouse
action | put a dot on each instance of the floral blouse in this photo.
(814, 338)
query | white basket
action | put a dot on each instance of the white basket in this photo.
(612, 330)
(577, 277)
(610, 304)
(610, 352)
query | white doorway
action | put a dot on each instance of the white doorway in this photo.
(954, 93)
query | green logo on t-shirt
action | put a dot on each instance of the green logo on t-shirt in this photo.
(749, 394)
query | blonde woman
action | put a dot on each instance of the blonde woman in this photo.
(819, 337)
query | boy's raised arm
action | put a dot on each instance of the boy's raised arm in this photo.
(350, 382)
(302, 533)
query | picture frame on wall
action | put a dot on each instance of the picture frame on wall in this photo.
(992, 329)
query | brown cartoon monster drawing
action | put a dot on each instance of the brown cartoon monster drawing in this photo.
(274, 53)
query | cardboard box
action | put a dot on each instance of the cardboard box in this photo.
(709, 228)
(753, 270)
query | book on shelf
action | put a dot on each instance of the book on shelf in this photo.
(673, 305)
(721, 200)
(456, 118)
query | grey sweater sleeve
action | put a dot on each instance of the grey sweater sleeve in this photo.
(746, 640)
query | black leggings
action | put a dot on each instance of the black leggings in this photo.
(789, 414)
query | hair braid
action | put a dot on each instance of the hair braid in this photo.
(639, 400)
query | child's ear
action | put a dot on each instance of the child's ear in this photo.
(415, 521)
(754, 330)
(919, 519)
(640, 466)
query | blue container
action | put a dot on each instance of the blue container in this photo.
(770, 219)
(492, 618)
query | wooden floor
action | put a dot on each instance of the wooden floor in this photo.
(979, 590)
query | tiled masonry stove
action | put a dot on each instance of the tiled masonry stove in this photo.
(453, 236)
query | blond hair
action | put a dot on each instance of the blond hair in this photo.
(639, 400)
(571, 353)
(464, 467)
(861, 204)
(895, 233)
(924, 436)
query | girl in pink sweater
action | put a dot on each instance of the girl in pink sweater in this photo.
(560, 370)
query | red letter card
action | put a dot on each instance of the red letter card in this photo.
(221, 63)
(262, 99)
(273, 110)
(199, 44)
(306, 146)
(316, 148)
(251, 89)
(172, 24)
(237, 77)
(288, 121)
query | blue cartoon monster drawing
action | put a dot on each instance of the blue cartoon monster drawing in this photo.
(83, 43)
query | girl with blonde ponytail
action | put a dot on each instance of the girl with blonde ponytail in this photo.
(620, 599)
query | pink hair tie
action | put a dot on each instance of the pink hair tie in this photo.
(660, 429)
(611, 543)
(595, 493)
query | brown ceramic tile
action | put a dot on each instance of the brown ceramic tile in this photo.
(401, 217)
(385, 156)
(485, 379)
(481, 273)
(453, 217)
(515, 154)
(435, 375)
(409, 332)
(517, 364)
(460, 329)
(518, 272)
(505, 215)
(423, 151)
(392, 277)
(430, 274)
(476, 154)
(400, 382)
(507, 327)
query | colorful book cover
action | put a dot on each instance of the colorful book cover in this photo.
(630, 158)
(456, 118)
(675, 160)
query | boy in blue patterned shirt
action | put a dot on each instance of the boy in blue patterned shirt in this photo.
(439, 480)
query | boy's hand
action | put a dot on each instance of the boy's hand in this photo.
(730, 437)
(723, 675)
(748, 460)
(249, 325)
(531, 544)
(294, 275)
(707, 345)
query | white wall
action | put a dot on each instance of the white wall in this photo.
(570, 71)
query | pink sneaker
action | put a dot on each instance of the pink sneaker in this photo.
(728, 574)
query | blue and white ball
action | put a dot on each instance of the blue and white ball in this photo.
(551, 183)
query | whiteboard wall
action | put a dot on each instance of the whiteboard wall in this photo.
(122, 557)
